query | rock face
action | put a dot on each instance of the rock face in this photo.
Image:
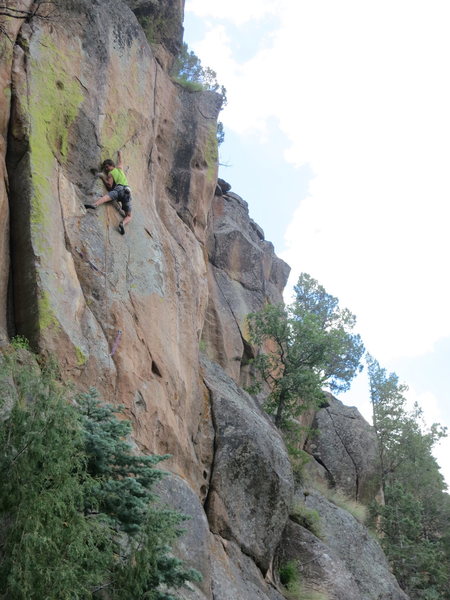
(252, 484)
(244, 273)
(131, 314)
(346, 564)
(77, 283)
(346, 446)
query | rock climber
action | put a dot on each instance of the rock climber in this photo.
(116, 183)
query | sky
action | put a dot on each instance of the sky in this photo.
(337, 134)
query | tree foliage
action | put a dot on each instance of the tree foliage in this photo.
(41, 9)
(304, 347)
(77, 510)
(189, 72)
(414, 521)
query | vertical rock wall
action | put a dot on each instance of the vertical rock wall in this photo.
(78, 87)
(84, 85)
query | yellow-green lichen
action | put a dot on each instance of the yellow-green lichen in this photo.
(119, 128)
(211, 153)
(54, 103)
(81, 356)
(47, 317)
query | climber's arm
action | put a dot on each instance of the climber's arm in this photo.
(119, 160)
(107, 180)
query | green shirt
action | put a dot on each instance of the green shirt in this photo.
(119, 176)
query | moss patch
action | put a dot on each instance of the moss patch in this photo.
(307, 518)
(54, 103)
(47, 317)
(81, 356)
(118, 129)
(211, 152)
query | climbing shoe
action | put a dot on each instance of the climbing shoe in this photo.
(90, 206)
(121, 229)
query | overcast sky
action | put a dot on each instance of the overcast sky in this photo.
(338, 136)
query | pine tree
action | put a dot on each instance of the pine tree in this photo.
(415, 517)
(50, 549)
(304, 347)
(77, 510)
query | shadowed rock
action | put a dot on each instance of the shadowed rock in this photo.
(347, 447)
(251, 483)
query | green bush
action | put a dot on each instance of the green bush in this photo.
(290, 579)
(294, 588)
(76, 505)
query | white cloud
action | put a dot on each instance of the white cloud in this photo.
(361, 93)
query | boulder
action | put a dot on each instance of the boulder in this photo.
(222, 187)
(319, 569)
(251, 482)
(357, 549)
(235, 575)
(347, 447)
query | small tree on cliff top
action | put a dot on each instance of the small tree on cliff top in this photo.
(305, 346)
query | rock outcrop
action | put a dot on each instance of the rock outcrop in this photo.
(347, 563)
(78, 87)
(345, 445)
(243, 274)
(252, 485)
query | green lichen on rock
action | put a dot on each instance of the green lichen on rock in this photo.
(81, 356)
(47, 317)
(211, 153)
(55, 99)
(119, 128)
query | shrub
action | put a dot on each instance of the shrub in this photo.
(294, 588)
(77, 510)
(290, 579)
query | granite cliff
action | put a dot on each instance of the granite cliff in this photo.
(156, 319)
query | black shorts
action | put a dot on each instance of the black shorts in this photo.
(122, 194)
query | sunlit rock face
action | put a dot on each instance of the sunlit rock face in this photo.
(131, 315)
(85, 85)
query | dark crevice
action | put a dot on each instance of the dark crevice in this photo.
(329, 475)
(213, 423)
(155, 369)
(22, 307)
